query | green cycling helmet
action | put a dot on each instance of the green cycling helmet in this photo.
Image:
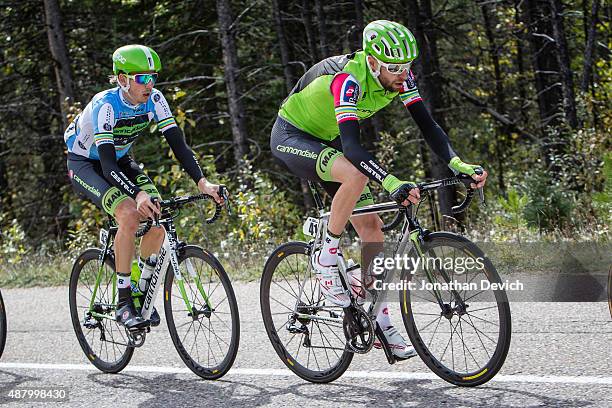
(389, 42)
(135, 58)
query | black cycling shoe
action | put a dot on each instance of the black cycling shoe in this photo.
(154, 319)
(128, 316)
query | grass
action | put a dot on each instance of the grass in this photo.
(550, 257)
(47, 270)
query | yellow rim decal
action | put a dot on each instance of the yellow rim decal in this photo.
(92, 357)
(280, 254)
(290, 362)
(215, 371)
(405, 303)
(475, 376)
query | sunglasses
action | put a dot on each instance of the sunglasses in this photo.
(396, 69)
(143, 79)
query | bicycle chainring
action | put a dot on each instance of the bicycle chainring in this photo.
(358, 330)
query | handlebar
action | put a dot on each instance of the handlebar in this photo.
(466, 180)
(177, 202)
(434, 185)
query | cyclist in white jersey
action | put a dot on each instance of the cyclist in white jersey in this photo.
(100, 168)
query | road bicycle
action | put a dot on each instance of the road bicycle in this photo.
(463, 336)
(2, 325)
(199, 302)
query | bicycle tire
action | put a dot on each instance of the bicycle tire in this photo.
(469, 377)
(90, 259)
(299, 249)
(2, 325)
(610, 291)
(221, 366)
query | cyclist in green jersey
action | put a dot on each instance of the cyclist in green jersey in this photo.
(316, 135)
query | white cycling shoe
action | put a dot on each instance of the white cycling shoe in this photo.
(330, 282)
(355, 282)
(399, 347)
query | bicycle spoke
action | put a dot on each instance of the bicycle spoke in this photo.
(323, 343)
(484, 308)
(449, 341)
(484, 320)
(434, 332)
(290, 293)
(480, 331)
(286, 307)
(465, 300)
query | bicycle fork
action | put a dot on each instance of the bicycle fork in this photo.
(168, 257)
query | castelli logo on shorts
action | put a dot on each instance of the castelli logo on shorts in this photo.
(366, 196)
(107, 127)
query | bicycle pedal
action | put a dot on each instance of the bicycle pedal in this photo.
(295, 329)
(403, 359)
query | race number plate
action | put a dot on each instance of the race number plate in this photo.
(103, 236)
(310, 227)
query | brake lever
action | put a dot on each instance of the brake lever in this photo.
(479, 172)
(155, 200)
(225, 195)
(483, 203)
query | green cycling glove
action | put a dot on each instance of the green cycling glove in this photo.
(457, 166)
(392, 183)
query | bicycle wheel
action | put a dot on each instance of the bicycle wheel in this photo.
(463, 333)
(2, 325)
(610, 291)
(207, 336)
(312, 345)
(103, 340)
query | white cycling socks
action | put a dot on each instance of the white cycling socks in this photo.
(329, 252)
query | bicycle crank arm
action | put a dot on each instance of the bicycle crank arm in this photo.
(385, 345)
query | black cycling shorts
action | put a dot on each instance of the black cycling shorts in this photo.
(88, 180)
(308, 157)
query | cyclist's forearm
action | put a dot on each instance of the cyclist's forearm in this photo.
(363, 160)
(112, 172)
(183, 153)
(434, 135)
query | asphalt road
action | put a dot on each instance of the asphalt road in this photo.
(561, 355)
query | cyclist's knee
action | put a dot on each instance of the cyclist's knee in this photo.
(155, 233)
(346, 173)
(127, 216)
(360, 178)
(368, 227)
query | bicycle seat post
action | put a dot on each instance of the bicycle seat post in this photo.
(316, 197)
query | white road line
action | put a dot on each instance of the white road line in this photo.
(268, 372)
